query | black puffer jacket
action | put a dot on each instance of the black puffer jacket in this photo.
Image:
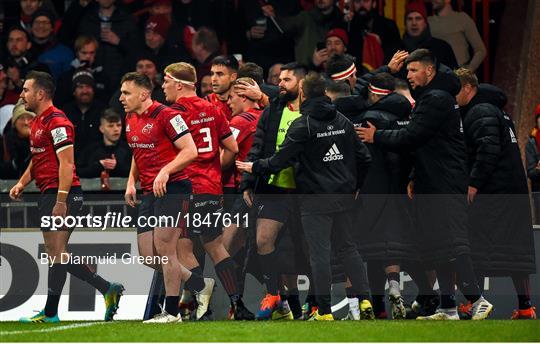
(331, 158)
(435, 135)
(494, 159)
(389, 169)
(499, 217)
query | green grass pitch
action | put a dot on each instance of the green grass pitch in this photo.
(221, 331)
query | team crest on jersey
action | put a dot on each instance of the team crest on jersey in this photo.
(178, 124)
(127, 129)
(39, 132)
(147, 128)
(59, 135)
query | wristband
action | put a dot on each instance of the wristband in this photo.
(61, 202)
(63, 192)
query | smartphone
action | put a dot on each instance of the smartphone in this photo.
(321, 45)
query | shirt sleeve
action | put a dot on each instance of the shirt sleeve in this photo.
(239, 129)
(62, 133)
(175, 126)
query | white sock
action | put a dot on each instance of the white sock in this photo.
(353, 303)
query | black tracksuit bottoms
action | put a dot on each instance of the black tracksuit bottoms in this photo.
(324, 231)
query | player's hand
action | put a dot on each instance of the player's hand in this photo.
(244, 166)
(160, 184)
(410, 189)
(471, 194)
(397, 61)
(366, 134)
(320, 56)
(268, 10)
(131, 196)
(248, 197)
(16, 192)
(252, 92)
(108, 164)
(60, 209)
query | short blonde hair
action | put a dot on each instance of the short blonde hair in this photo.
(467, 77)
(182, 71)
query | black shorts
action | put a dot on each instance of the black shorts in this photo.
(276, 206)
(205, 216)
(47, 201)
(173, 205)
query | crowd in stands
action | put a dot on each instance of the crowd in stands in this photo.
(87, 45)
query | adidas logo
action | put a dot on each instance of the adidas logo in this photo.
(333, 154)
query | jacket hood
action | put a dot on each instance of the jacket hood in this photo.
(319, 108)
(350, 106)
(491, 94)
(487, 94)
(394, 103)
(444, 80)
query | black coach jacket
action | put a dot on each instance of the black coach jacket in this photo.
(331, 158)
(435, 134)
(264, 143)
(494, 159)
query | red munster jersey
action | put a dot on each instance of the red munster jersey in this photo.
(208, 128)
(151, 136)
(220, 104)
(51, 133)
(243, 127)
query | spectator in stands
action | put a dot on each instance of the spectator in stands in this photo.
(84, 111)
(308, 27)
(335, 44)
(85, 57)
(265, 43)
(16, 143)
(458, 30)
(111, 153)
(364, 18)
(418, 35)
(532, 155)
(116, 30)
(273, 74)
(19, 60)
(45, 45)
(147, 65)
(27, 10)
(205, 86)
(156, 32)
(205, 46)
(177, 36)
(7, 96)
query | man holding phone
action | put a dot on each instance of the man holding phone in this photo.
(335, 44)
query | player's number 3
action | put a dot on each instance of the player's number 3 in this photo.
(208, 139)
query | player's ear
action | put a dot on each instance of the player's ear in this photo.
(234, 76)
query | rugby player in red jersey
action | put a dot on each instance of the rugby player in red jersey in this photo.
(210, 131)
(162, 148)
(245, 116)
(53, 169)
(222, 74)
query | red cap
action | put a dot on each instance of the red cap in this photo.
(339, 33)
(537, 110)
(416, 7)
(160, 24)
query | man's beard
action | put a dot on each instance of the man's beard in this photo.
(288, 96)
(365, 15)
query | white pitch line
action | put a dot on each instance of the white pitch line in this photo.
(53, 329)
